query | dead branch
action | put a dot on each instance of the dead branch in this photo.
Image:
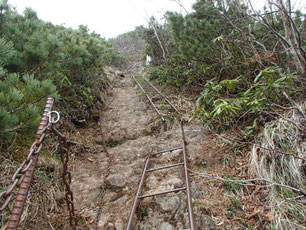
(261, 147)
(157, 37)
(289, 199)
(250, 182)
(296, 106)
(180, 5)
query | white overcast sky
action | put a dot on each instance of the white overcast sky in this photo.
(106, 17)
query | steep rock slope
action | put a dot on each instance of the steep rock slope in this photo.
(105, 185)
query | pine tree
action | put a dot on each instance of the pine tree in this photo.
(20, 100)
(48, 59)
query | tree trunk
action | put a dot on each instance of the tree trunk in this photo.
(158, 39)
(292, 38)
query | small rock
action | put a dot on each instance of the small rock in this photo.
(126, 215)
(58, 195)
(208, 223)
(102, 221)
(169, 203)
(119, 226)
(151, 182)
(116, 180)
(108, 197)
(179, 226)
(121, 201)
(93, 214)
(175, 182)
(110, 226)
(197, 193)
(166, 226)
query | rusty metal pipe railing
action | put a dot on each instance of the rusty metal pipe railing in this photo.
(165, 167)
(131, 217)
(189, 198)
(133, 65)
(167, 150)
(28, 176)
(162, 95)
(162, 193)
(150, 100)
(186, 188)
(184, 163)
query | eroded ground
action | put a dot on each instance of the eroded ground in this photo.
(105, 177)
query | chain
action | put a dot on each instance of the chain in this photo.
(66, 176)
(22, 169)
(50, 118)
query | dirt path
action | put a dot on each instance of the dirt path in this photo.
(105, 182)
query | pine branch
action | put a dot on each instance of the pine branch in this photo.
(31, 103)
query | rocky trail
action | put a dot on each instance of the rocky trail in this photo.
(106, 177)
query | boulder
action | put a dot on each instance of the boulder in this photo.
(116, 180)
(169, 203)
(207, 223)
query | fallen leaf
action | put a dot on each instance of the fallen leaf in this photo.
(269, 216)
(251, 208)
(259, 209)
(252, 221)
(236, 218)
(247, 198)
(86, 215)
(253, 214)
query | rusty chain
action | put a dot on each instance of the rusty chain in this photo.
(23, 175)
(66, 176)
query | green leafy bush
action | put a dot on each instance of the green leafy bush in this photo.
(228, 101)
(39, 59)
(21, 103)
(166, 76)
(220, 40)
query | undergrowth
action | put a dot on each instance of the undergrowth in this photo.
(242, 100)
(279, 156)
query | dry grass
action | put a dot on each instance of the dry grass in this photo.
(46, 206)
(285, 135)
